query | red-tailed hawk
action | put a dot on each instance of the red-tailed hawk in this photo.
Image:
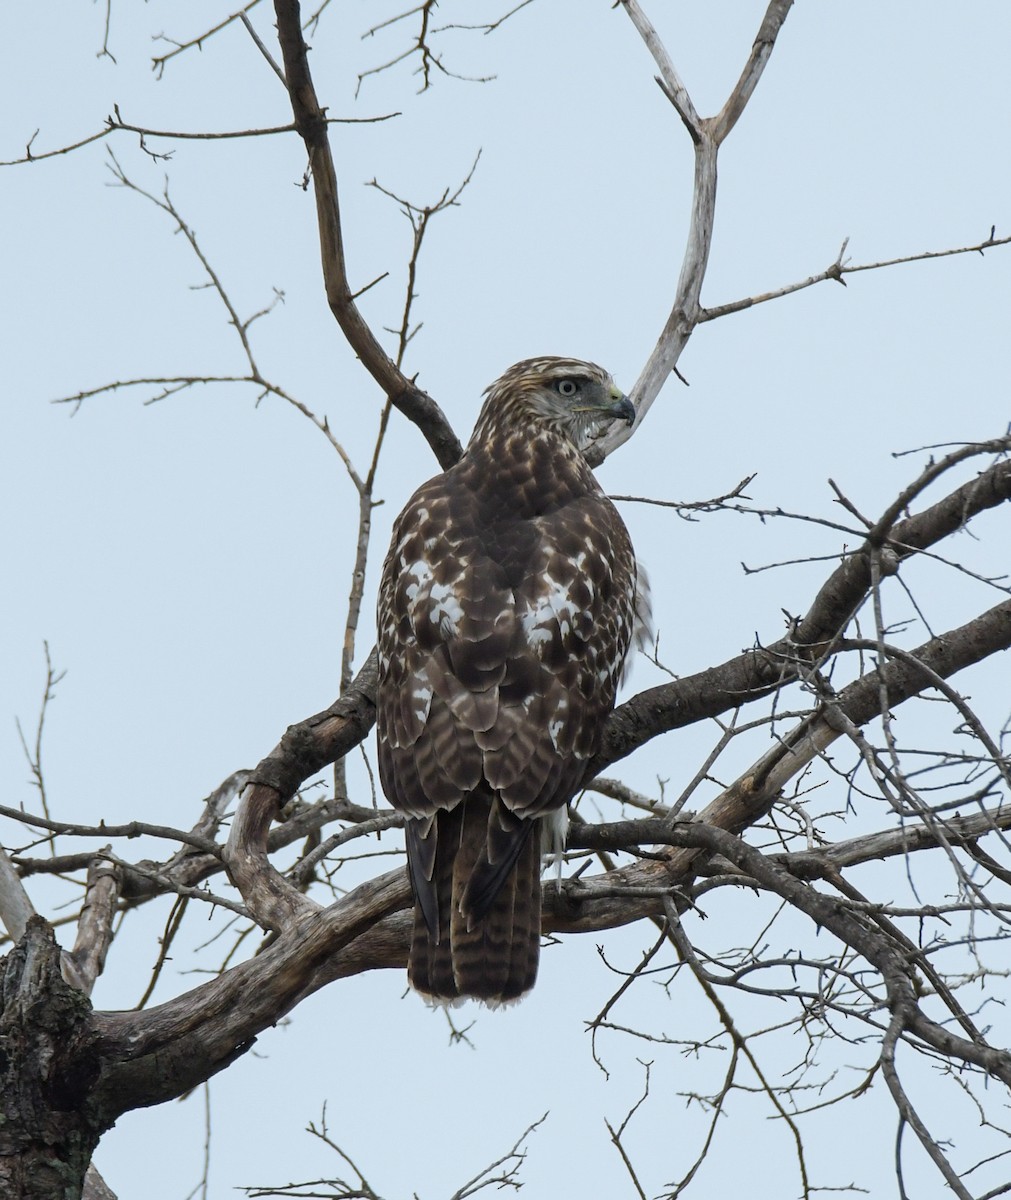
(506, 608)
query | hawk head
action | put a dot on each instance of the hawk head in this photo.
(565, 394)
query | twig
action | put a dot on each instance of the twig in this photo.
(741, 1046)
(420, 46)
(180, 889)
(490, 26)
(129, 829)
(616, 1133)
(263, 50)
(158, 64)
(419, 217)
(172, 924)
(668, 79)
(115, 124)
(34, 755)
(841, 268)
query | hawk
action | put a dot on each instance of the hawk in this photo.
(506, 607)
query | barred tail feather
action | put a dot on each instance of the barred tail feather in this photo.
(485, 889)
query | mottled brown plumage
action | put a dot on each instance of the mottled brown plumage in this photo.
(506, 607)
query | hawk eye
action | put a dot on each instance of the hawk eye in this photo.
(566, 387)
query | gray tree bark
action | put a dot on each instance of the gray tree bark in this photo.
(48, 1064)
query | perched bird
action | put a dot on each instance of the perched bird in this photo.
(507, 604)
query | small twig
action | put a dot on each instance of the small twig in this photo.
(263, 49)
(488, 27)
(130, 829)
(115, 124)
(419, 217)
(181, 889)
(714, 504)
(175, 919)
(616, 1133)
(741, 1045)
(421, 46)
(34, 755)
(303, 869)
(158, 64)
(839, 269)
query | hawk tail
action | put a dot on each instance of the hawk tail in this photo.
(477, 912)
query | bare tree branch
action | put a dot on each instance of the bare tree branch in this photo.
(405, 396)
(706, 136)
(94, 925)
(15, 904)
(841, 268)
(756, 672)
(765, 40)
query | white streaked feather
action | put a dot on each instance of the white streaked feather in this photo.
(446, 610)
(419, 574)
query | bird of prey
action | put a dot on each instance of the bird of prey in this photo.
(507, 604)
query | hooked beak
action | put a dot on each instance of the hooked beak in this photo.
(622, 409)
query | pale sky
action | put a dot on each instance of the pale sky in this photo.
(188, 561)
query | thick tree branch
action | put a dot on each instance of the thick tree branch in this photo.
(200, 1033)
(305, 749)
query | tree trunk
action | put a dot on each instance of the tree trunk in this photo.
(48, 1063)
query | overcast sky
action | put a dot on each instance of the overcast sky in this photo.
(188, 561)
